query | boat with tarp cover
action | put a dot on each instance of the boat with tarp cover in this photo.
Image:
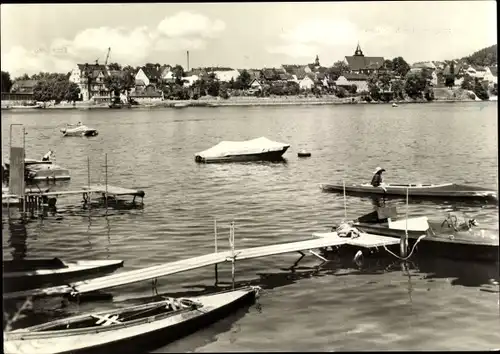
(128, 330)
(443, 191)
(248, 150)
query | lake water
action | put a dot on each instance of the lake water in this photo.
(441, 305)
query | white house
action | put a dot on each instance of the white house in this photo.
(491, 75)
(96, 73)
(167, 74)
(190, 80)
(306, 83)
(141, 76)
(347, 80)
(226, 75)
(255, 84)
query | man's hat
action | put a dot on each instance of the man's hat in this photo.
(379, 169)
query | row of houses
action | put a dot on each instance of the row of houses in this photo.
(440, 70)
(91, 78)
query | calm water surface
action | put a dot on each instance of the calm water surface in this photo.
(439, 305)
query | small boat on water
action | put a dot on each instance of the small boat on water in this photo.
(453, 237)
(181, 105)
(78, 130)
(249, 150)
(38, 170)
(395, 104)
(34, 106)
(445, 190)
(130, 329)
(34, 273)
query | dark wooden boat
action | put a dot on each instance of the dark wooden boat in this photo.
(446, 190)
(450, 238)
(34, 273)
(127, 330)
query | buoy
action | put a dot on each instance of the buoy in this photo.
(303, 153)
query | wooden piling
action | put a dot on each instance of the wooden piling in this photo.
(233, 257)
(216, 268)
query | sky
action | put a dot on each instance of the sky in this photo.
(55, 37)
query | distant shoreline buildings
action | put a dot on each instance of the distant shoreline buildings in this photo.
(353, 70)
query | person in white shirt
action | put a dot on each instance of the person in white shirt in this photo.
(48, 156)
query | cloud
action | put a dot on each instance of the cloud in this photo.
(186, 24)
(181, 31)
(340, 36)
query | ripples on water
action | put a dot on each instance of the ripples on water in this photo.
(442, 305)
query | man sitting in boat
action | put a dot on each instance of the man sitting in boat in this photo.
(377, 180)
(48, 155)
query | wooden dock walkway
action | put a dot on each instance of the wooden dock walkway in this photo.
(134, 276)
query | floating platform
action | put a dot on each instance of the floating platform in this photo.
(38, 197)
(326, 240)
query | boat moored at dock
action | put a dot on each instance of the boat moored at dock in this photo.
(38, 170)
(128, 330)
(32, 273)
(453, 237)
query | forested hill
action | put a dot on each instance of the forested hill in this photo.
(484, 57)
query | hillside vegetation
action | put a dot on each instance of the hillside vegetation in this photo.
(484, 57)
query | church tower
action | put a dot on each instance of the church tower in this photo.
(316, 62)
(358, 52)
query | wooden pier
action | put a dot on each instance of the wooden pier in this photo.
(154, 272)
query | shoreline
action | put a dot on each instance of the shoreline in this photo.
(244, 102)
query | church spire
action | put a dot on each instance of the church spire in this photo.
(358, 51)
(316, 62)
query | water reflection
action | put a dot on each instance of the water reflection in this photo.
(18, 237)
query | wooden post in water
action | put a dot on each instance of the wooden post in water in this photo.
(216, 267)
(106, 177)
(403, 245)
(88, 180)
(345, 201)
(231, 241)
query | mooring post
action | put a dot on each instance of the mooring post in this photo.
(345, 201)
(403, 244)
(87, 200)
(231, 241)
(216, 267)
(106, 177)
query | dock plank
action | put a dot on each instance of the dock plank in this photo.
(112, 190)
(135, 276)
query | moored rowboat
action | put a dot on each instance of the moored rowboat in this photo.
(127, 330)
(33, 273)
(445, 190)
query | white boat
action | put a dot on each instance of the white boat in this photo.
(395, 104)
(34, 273)
(127, 330)
(37, 170)
(78, 130)
(249, 150)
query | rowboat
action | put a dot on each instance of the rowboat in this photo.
(453, 237)
(34, 273)
(249, 150)
(127, 330)
(37, 170)
(445, 190)
(80, 130)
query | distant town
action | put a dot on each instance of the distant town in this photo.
(368, 78)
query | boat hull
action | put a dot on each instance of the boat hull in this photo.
(41, 171)
(79, 131)
(449, 190)
(127, 338)
(443, 243)
(266, 156)
(31, 274)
